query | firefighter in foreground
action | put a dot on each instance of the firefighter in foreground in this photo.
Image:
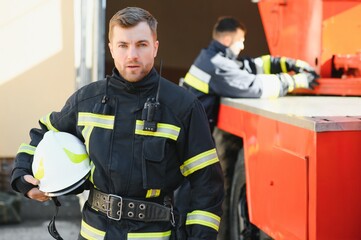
(144, 135)
(219, 71)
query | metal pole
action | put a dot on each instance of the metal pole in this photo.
(89, 41)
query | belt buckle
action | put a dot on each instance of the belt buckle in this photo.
(120, 205)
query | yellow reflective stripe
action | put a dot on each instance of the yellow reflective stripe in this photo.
(198, 79)
(283, 64)
(199, 161)
(86, 134)
(200, 74)
(163, 130)
(90, 232)
(271, 86)
(196, 83)
(203, 218)
(96, 120)
(153, 193)
(26, 148)
(91, 179)
(266, 64)
(46, 121)
(150, 235)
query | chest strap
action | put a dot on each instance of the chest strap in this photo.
(116, 208)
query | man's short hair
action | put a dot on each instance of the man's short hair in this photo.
(227, 25)
(130, 17)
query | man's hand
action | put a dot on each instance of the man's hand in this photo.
(35, 193)
(305, 80)
(299, 66)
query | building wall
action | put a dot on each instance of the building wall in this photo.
(37, 65)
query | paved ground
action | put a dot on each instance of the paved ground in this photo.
(35, 217)
(37, 230)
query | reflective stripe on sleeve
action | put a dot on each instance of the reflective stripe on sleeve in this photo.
(203, 218)
(163, 130)
(26, 148)
(198, 79)
(153, 193)
(266, 64)
(271, 86)
(46, 121)
(150, 236)
(199, 161)
(89, 232)
(96, 120)
(283, 64)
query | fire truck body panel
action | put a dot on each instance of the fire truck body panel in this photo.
(302, 159)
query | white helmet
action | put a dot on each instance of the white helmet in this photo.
(61, 163)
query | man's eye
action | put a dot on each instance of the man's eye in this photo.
(142, 45)
(122, 46)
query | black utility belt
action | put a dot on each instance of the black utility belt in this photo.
(117, 208)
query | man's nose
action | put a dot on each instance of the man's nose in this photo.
(132, 52)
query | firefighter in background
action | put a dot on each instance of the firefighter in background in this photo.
(218, 71)
(141, 146)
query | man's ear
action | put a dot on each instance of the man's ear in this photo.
(226, 40)
(110, 48)
(156, 46)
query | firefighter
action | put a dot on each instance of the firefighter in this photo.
(144, 136)
(219, 71)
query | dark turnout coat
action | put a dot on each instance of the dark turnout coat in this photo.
(136, 163)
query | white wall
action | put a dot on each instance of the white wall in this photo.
(36, 65)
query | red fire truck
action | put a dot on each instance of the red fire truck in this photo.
(301, 156)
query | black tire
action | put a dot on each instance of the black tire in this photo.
(240, 226)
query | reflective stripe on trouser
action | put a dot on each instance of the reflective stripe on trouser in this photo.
(203, 218)
(91, 233)
(150, 236)
(199, 161)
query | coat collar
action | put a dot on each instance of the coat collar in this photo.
(148, 82)
(220, 48)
